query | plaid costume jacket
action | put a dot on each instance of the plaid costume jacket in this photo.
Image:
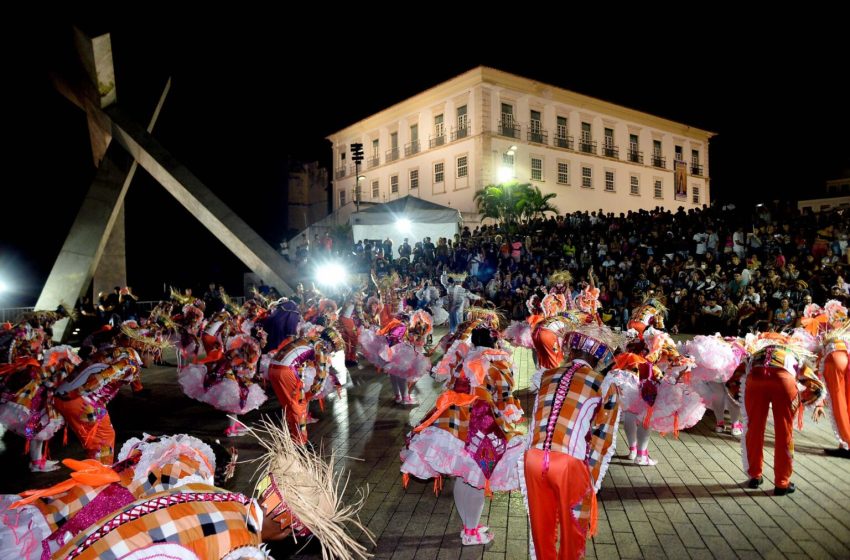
(497, 390)
(585, 423)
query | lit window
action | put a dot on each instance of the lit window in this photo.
(536, 169)
(563, 173)
(462, 166)
(695, 189)
(587, 177)
(439, 172)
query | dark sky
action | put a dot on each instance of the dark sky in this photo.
(249, 91)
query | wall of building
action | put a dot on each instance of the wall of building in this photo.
(482, 91)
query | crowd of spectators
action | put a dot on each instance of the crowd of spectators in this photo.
(721, 269)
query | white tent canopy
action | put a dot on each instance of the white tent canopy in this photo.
(408, 217)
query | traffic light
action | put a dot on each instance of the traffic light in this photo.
(357, 152)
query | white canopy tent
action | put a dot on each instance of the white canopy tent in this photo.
(408, 217)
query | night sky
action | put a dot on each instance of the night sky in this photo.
(248, 92)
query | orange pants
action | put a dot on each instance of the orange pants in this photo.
(547, 344)
(98, 437)
(835, 373)
(349, 335)
(766, 387)
(290, 393)
(551, 498)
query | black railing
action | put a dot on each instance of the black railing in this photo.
(587, 146)
(374, 161)
(511, 130)
(411, 148)
(659, 161)
(340, 172)
(564, 142)
(459, 133)
(696, 169)
(538, 136)
(435, 141)
(635, 156)
(611, 151)
(391, 155)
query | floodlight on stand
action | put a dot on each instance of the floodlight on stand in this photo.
(331, 274)
(505, 174)
(404, 225)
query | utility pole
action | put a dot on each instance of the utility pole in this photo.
(357, 156)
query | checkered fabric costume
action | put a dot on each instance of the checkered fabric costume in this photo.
(452, 442)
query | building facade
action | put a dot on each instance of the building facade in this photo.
(487, 127)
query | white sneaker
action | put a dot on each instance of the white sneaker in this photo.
(44, 466)
(645, 461)
(475, 537)
(398, 399)
(720, 427)
(737, 429)
(632, 453)
(411, 400)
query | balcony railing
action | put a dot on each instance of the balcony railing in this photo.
(587, 146)
(611, 151)
(459, 133)
(340, 172)
(696, 169)
(374, 161)
(564, 142)
(511, 130)
(411, 148)
(659, 161)
(391, 155)
(538, 136)
(435, 141)
(636, 156)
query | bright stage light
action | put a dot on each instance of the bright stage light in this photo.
(3, 286)
(331, 274)
(505, 174)
(403, 225)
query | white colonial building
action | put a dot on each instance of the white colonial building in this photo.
(487, 126)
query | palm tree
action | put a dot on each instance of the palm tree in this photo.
(495, 201)
(533, 203)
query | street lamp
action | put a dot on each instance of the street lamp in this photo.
(357, 156)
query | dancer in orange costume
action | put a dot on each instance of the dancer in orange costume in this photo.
(830, 324)
(548, 332)
(650, 314)
(773, 374)
(571, 443)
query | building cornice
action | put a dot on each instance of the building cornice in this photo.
(523, 86)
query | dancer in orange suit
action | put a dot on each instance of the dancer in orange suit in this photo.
(774, 372)
(571, 443)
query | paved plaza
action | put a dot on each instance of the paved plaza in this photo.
(692, 505)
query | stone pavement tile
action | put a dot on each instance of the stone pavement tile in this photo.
(472, 552)
(748, 555)
(830, 543)
(766, 547)
(738, 535)
(689, 534)
(673, 546)
(781, 539)
(837, 528)
(716, 514)
(703, 524)
(720, 548)
(644, 534)
(426, 553)
(499, 539)
(618, 520)
(700, 554)
(606, 551)
(758, 515)
(449, 551)
(627, 545)
(661, 524)
(604, 534)
(675, 512)
(653, 552)
(516, 548)
(815, 550)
